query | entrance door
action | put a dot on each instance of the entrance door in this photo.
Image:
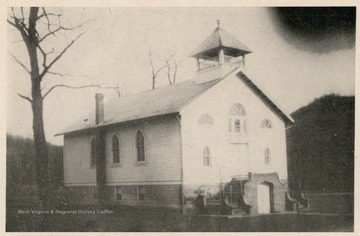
(263, 196)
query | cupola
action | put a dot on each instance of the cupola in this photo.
(218, 54)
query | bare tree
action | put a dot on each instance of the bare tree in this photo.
(172, 67)
(38, 27)
(155, 72)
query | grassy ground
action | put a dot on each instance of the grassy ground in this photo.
(133, 219)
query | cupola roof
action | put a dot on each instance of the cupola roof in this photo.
(220, 39)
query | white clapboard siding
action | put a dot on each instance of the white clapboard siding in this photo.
(162, 151)
(77, 168)
(216, 102)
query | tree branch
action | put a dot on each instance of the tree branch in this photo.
(69, 75)
(20, 63)
(47, 18)
(48, 14)
(24, 97)
(46, 69)
(21, 27)
(52, 32)
(175, 69)
(78, 87)
(44, 55)
(159, 70)
(168, 69)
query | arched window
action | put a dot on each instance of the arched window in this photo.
(266, 124)
(206, 156)
(93, 153)
(237, 110)
(267, 156)
(140, 147)
(237, 120)
(206, 119)
(115, 149)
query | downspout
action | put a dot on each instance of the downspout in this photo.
(182, 169)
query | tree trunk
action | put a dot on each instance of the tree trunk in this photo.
(41, 151)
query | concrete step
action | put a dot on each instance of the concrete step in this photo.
(238, 211)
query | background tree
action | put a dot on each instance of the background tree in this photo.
(171, 68)
(154, 72)
(167, 62)
(41, 32)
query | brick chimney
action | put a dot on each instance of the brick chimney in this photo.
(99, 109)
(100, 148)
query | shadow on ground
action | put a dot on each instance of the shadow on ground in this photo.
(134, 219)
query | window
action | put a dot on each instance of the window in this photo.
(93, 153)
(237, 126)
(115, 149)
(244, 126)
(206, 119)
(141, 193)
(206, 156)
(140, 148)
(266, 124)
(237, 121)
(94, 191)
(237, 110)
(267, 156)
(118, 193)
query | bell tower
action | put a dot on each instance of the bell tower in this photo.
(219, 54)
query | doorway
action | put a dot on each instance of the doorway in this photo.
(265, 198)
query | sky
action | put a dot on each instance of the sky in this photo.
(292, 66)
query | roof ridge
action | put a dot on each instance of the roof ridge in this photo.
(153, 90)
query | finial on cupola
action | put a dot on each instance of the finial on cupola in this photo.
(218, 22)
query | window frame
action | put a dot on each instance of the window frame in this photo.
(137, 147)
(113, 150)
(267, 156)
(139, 188)
(206, 120)
(266, 124)
(237, 126)
(118, 193)
(93, 152)
(206, 157)
(237, 121)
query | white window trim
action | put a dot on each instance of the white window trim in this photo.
(138, 193)
(91, 153)
(112, 151)
(243, 125)
(208, 157)
(116, 193)
(267, 157)
(207, 115)
(139, 163)
(266, 124)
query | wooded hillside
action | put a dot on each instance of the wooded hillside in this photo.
(321, 145)
(20, 165)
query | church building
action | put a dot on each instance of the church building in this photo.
(216, 139)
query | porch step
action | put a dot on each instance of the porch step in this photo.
(238, 211)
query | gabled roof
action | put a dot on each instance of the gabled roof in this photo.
(166, 100)
(163, 101)
(278, 110)
(219, 38)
